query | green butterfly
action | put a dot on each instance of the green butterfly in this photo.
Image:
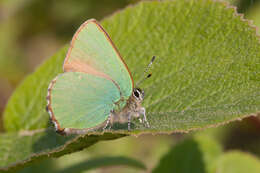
(96, 88)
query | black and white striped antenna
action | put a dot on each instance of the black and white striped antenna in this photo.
(146, 76)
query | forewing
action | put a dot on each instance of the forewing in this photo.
(79, 100)
(92, 51)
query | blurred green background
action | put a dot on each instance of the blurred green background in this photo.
(33, 30)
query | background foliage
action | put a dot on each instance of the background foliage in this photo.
(42, 34)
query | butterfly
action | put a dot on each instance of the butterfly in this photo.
(96, 88)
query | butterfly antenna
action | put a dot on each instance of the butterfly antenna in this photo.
(145, 72)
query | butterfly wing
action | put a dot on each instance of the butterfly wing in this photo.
(80, 101)
(93, 52)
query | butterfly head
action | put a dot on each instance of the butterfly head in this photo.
(138, 94)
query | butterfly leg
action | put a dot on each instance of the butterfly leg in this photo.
(108, 122)
(129, 122)
(140, 120)
(142, 111)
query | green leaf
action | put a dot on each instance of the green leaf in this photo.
(103, 161)
(19, 149)
(237, 162)
(206, 72)
(192, 155)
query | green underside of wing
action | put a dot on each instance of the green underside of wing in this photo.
(92, 47)
(80, 100)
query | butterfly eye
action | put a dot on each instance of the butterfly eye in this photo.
(138, 94)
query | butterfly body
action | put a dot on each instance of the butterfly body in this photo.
(132, 109)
